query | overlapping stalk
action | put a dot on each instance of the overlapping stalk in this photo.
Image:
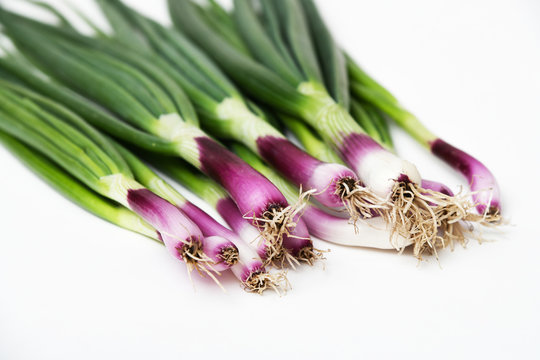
(368, 95)
(450, 213)
(211, 247)
(222, 251)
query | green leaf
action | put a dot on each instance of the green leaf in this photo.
(260, 45)
(299, 39)
(330, 56)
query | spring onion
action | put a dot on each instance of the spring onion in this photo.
(222, 245)
(450, 213)
(250, 268)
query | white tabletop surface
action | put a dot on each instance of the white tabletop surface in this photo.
(75, 287)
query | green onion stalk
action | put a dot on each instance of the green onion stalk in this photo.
(371, 112)
(282, 70)
(140, 93)
(219, 244)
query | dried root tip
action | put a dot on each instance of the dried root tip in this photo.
(275, 256)
(260, 281)
(493, 215)
(195, 258)
(229, 255)
(277, 222)
(358, 200)
(490, 217)
(310, 255)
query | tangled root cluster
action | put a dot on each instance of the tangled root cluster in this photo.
(229, 255)
(260, 281)
(310, 255)
(432, 220)
(360, 202)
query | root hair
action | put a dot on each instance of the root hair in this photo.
(229, 255)
(432, 220)
(360, 202)
(259, 281)
(310, 255)
(195, 259)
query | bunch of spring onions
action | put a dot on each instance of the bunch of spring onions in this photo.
(247, 77)
(109, 181)
(282, 54)
(143, 98)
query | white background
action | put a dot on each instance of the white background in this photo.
(74, 287)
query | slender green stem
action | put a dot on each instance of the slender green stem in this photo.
(22, 123)
(311, 142)
(380, 121)
(77, 74)
(357, 74)
(150, 179)
(331, 58)
(402, 117)
(260, 44)
(364, 119)
(108, 155)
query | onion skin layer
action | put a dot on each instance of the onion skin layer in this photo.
(251, 191)
(372, 233)
(304, 170)
(175, 228)
(378, 168)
